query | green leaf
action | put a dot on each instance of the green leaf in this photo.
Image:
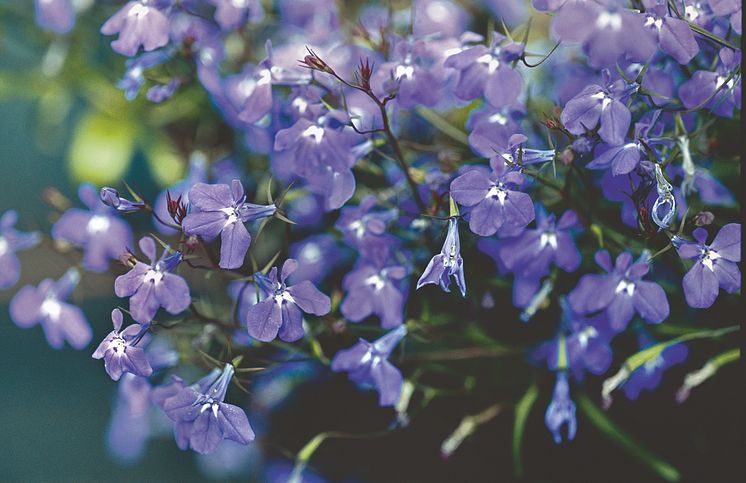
(601, 421)
(101, 148)
(522, 410)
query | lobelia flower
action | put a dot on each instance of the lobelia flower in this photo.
(202, 417)
(715, 264)
(728, 7)
(367, 364)
(138, 23)
(162, 92)
(561, 410)
(650, 374)
(494, 200)
(621, 292)
(120, 350)
(361, 225)
(448, 263)
(101, 234)
(281, 311)
(602, 106)
(55, 15)
(134, 77)
(220, 209)
(719, 91)
(490, 128)
(374, 289)
(12, 241)
(46, 305)
(485, 71)
(673, 34)
(152, 286)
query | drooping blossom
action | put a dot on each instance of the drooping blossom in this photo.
(45, 305)
(494, 200)
(448, 263)
(138, 23)
(121, 351)
(151, 286)
(561, 410)
(202, 417)
(715, 265)
(621, 292)
(102, 235)
(281, 311)
(367, 364)
(110, 197)
(219, 209)
(12, 241)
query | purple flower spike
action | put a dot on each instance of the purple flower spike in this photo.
(222, 210)
(55, 15)
(621, 292)
(374, 291)
(12, 241)
(202, 419)
(715, 265)
(561, 410)
(137, 23)
(101, 234)
(596, 105)
(152, 286)
(367, 364)
(494, 200)
(120, 352)
(281, 311)
(448, 263)
(46, 305)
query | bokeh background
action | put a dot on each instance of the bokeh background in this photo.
(60, 125)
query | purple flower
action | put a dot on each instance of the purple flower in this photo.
(222, 210)
(317, 255)
(728, 7)
(152, 286)
(715, 265)
(485, 71)
(494, 200)
(12, 241)
(367, 364)
(162, 92)
(203, 420)
(722, 87)
(448, 263)
(46, 305)
(55, 15)
(134, 77)
(597, 105)
(281, 311)
(490, 128)
(374, 290)
(673, 34)
(621, 292)
(650, 374)
(137, 23)
(561, 410)
(530, 254)
(231, 14)
(361, 225)
(197, 173)
(101, 234)
(120, 351)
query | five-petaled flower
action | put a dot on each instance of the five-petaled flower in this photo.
(222, 210)
(367, 364)
(281, 311)
(120, 350)
(715, 265)
(152, 286)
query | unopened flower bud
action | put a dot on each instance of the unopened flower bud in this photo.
(703, 218)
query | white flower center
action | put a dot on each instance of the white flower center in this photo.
(691, 12)
(138, 10)
(232, 215)
(240, 3)
(311, 253)
(4, 247)
(51, 308)
(210, 405)
(265, 77)
(316, 132)
(497, 192)
(498, 118)
(376, 281)
(491, 61)
(709, 256)
(300, 104)
(585, 335)
(437, 11)
(548, 238)
(651, 20)
(721, 81)
(283, 296)
(625, 286)
(153, 275)
(608, 19)
(97, 224)
(357, 227)
(403, 71)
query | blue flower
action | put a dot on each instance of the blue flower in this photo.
(561, 410)
(448, 263)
